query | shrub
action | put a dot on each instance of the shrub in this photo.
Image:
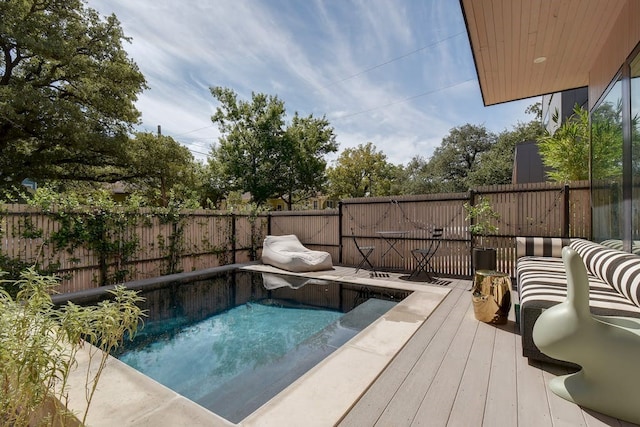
(39, 342)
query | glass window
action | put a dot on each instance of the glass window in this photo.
(606, 166)
(635, 147)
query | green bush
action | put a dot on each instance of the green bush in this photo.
(39, 342)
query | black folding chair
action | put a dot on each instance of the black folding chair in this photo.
(365, 252)
(423, 256)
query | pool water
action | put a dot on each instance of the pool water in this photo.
(221, 347)
(232, 342)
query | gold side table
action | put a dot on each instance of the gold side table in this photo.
(491, 296)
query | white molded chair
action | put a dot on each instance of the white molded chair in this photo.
(606, 347)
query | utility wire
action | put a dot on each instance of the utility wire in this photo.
(195, 130)
(400, 101)
(366, 70)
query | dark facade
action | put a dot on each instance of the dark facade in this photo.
(527, 164)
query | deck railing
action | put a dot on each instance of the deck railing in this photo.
(203, 239)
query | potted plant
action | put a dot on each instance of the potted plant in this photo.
(481, 216)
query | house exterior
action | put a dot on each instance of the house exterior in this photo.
(527, 164)
(526, 48)
(561, 105)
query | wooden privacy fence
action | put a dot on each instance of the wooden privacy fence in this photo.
(158, 244)
(201, 239)
(543, 209)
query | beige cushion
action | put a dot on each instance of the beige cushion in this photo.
(286, 252)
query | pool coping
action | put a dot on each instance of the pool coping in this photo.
(321, 397)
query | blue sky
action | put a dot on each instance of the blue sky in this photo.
(399, 74)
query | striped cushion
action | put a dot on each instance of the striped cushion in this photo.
(621, 270)
(540, 246)
(542, 283)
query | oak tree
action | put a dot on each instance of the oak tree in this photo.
(67, 92)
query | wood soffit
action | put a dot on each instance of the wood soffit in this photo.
(509, 38)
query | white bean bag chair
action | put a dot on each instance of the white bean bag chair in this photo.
(287, 253)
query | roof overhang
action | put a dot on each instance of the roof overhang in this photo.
(526, 48)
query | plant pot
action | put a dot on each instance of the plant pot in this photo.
(484, 259)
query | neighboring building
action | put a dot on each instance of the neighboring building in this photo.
(527, 48)
(527, 164)
(561, 105)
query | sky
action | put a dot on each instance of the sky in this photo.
(398, 74)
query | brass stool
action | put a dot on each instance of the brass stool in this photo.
(491, 296)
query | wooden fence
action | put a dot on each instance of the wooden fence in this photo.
(203, 239)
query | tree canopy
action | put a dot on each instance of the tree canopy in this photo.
(566, 151)
(67, 92)
(496, 165)
(258, 154)
(161, 165)
(459, 156)
(362, 172)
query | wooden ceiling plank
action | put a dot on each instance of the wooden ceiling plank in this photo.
(575, 49)
(499, 25)
(519, 32)
(607, 13)
(560, 24)
(546, 23)
(532, 11)
(527, 43)
(489, 22)
(510, 49)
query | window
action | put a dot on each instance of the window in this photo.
(635, 147)
(606, 166)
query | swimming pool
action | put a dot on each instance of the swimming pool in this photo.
(231, 343)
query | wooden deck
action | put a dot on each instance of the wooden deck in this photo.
(457, 371)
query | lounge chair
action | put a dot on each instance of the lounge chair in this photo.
(286, 252)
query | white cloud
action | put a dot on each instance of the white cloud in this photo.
(326, 58)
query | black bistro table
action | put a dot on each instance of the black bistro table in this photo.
(392, 238)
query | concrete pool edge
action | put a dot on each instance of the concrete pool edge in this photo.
(320, 397)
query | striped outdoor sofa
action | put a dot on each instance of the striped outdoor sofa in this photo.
(614, 282)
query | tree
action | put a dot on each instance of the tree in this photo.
(458, 156)
(161, 166)
(259, 155)
(416, 178)
(361, 172)
(308, 140)
(496, 165)
(566, 151)
(67, 92)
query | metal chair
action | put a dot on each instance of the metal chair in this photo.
(423, 256)
(365, 252)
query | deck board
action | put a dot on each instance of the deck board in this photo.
(442, 392)
(406, 402)
(377, 398)
(456, 371)
(469, 405)
(501, 406)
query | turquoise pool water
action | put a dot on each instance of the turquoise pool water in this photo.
(198, 359)
(232, 342)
